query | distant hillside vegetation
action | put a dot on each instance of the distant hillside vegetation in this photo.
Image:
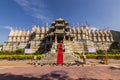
(116, 35)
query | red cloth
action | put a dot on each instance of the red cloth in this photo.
(60, 54)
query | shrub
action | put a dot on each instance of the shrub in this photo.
(19, 51)
(77, 53)
(93, 56)
(99, 55)
(100, 51)
(1, 45)
(18, 57)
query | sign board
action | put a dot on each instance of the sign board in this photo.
(0, 48)
(92, 50)
(28, 51)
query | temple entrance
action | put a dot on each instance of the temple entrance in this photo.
(59, 38)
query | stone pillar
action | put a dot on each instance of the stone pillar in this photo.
(63, 38)
(111, 38)
(45, 48)
(50, 38)
(69, 38)
(47, 39)
(103, 39)
(107, 38)
(79, 37)
(55, 38)
(99, 38)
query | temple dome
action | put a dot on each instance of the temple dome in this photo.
(38, 29)
(73, 29)
(28, 33)
(86, 27)
(43, 30)
(24, 33)
(11, 32)
(47, 29)
(77, 29)
(34, 28)
(16, 33)
(81, 28)
(20, 33)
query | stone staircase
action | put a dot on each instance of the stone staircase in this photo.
(74, 46)
(51, 57)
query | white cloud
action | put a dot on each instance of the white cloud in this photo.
(7, 27)
(94, 28)
(36, 8)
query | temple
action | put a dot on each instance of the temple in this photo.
(44, 39)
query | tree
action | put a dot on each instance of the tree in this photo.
(115, 45)
(1, 45)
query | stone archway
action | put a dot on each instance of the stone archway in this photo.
(59, 38)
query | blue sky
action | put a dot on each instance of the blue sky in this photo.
(23, 14)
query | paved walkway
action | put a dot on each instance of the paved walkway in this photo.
(60, 73)
(19, 70)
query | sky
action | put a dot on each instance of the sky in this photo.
(23, 14)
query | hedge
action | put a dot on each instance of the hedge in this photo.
(95, 56)
(19, 57)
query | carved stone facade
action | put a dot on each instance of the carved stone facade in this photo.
(45, 39)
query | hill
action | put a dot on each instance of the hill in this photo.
(116, 35)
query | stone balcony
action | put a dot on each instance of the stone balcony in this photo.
(59, 31)
(59, 24)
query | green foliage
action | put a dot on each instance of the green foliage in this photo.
(10, 52)
(19, 51)
(100, 51)
(109, 56)
(19, 57)
(1, 45)
(92, 56)
(77, 53)
(116, 35)
(100, 54)
(114, 51)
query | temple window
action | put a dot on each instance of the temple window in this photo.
(53, 38)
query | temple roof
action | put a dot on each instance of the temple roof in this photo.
(59, 19)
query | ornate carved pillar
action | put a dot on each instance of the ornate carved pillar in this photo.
(63, 38)
(103, 39)
(107, 38)
(50, 38)
(55, 38)
(45, 48)
(79, 37)
(111, 38)
(69, 38)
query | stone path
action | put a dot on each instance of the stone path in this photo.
(60, 73)
(19, 70)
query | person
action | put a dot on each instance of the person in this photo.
(60, 53)
(35, 59)
(84, 58)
